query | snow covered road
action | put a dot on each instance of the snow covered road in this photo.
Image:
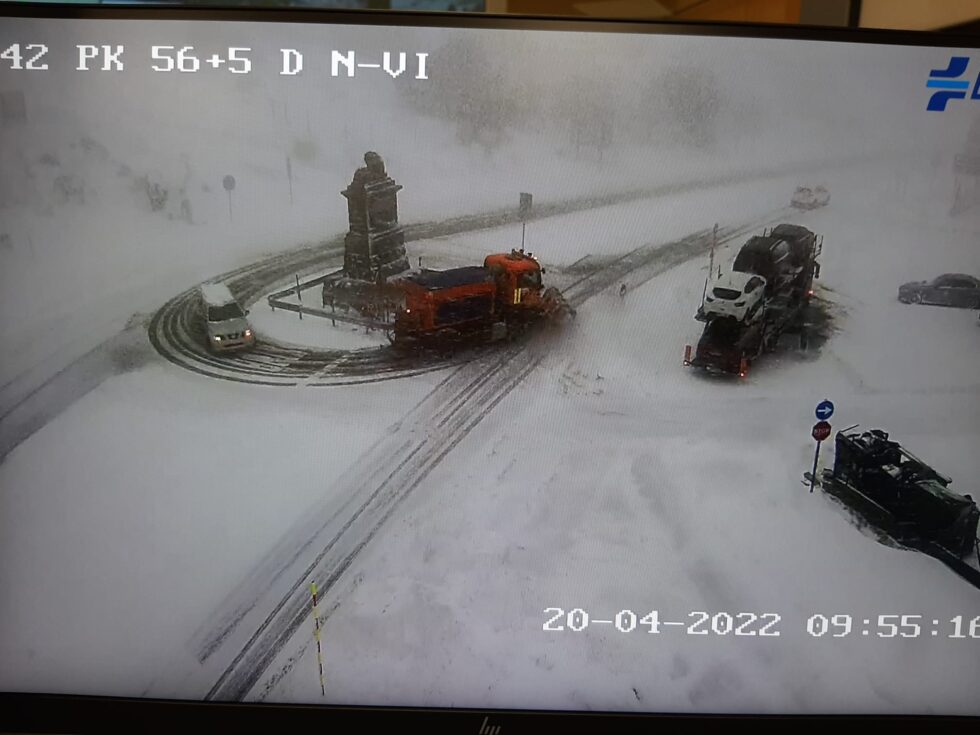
(610, 477)
(391, 469)
(614, 478)
(162, 509)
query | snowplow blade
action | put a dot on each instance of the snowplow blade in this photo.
(556, 306)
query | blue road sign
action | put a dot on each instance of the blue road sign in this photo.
(825, 409)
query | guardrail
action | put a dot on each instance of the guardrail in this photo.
(278, 300)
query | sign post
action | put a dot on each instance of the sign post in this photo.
(229, 183)
(316, 635)
(299, 297)
(711, 262)
(714, 244)
(821, 430)
(524, 210)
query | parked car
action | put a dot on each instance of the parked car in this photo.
(949, 289)
(810, 198)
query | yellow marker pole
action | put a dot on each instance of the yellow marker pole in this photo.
(316, 635)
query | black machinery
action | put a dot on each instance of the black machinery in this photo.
(904, 497)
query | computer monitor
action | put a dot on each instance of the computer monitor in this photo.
(487, 364)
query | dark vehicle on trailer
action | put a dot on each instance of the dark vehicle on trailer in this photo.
(782, 264)
(767, 256)
(802, 242)
(902, 496)
(950, 289)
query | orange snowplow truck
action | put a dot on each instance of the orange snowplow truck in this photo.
(475, 303)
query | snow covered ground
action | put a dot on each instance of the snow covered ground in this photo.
(555, 241)
(157, 254)
(74, 182)
(202, 515)
(616, 479)
(143, 502)
(143, 505)
(287, 328)
(612, 478)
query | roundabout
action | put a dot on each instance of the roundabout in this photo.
(177, 333)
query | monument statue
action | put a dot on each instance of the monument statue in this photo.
(374, 248)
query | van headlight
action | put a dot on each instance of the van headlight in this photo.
(248, 332)
(216, 338)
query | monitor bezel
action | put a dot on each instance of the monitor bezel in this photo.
(47, 712)
(445, 19)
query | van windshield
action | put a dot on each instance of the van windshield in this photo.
(224, 312)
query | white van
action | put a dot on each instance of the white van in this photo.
(227, 327)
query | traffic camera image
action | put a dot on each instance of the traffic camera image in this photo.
(428, 366)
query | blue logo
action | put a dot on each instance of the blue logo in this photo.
(950, 86)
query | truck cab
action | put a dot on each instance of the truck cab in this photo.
(517, 276)
(225, 320)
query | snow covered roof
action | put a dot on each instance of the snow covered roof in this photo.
(794, 231)
(216, 294)
(736, 280)
(434, 280)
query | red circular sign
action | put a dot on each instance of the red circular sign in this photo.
(821, 430)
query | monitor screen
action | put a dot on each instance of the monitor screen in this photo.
(446, 362)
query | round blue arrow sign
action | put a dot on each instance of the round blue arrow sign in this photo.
(825, 409)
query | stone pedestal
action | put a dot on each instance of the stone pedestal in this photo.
(374, 248)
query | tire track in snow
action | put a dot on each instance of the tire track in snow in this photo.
(273, 602)
(30, 399)
(176, 334)
(403, 472)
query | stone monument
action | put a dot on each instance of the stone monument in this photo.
(374, 248)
